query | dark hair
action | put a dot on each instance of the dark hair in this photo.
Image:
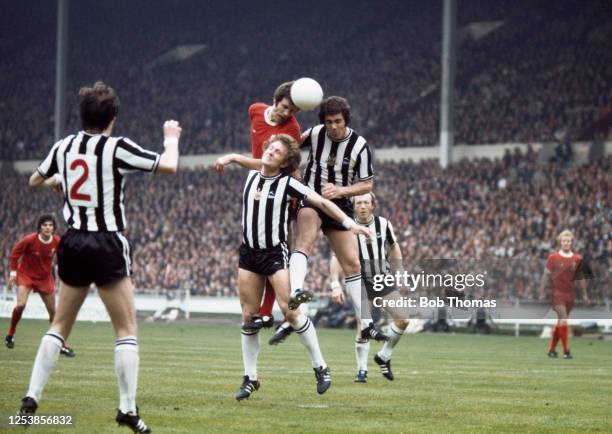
(283, 91)
(99, 105)
(293, 157)
(334, 105)
(44, 219)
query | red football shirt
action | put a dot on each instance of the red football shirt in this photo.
(261, 130)
(32, 257)
(563, 271)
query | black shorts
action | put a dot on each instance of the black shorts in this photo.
(327, 222)
(367, 285)
(264, 261)
(100, 257)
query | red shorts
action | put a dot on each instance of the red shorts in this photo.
(42, 286)
(562, 299)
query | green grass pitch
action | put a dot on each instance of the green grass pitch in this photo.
(189, 373)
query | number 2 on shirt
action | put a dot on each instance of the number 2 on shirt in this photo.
(81, 180)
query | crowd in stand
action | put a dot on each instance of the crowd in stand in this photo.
(541, 76)
(186, 229)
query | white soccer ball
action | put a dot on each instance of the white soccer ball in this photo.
(306, 93)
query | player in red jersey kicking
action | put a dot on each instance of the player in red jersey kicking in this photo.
(267, 121)
(563, 268)
(30, 264)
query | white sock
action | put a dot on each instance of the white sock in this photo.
(298, 265)
(126, 369)
(362, 349)
(250, 351)
(48, 352)
(387, 349)
(353, 287)
(308, 337)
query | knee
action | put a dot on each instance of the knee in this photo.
(304, 245)
(51, 315)
(401, 323)
(351, 266)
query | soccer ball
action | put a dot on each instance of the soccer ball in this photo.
(306, 93)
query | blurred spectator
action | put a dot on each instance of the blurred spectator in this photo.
(546, 69)
(186, 229)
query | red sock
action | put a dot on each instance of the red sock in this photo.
(555, 339)
(14, 320)
(563, 332)
(268, 301)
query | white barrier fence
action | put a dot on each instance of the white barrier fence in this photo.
(93, 310)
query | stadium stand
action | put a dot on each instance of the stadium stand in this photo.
(509, 208)
(386, 63)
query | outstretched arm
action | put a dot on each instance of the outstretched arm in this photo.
(168, 161)
(239, 159)
(332, 191)
(36, 180)
(335, 270)
(332, 210)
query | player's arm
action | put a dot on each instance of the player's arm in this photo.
(332, 210)
(335, 271)
(365, 173)
(545, 282)
(16, 254)
(47, 172)
(395, 253)
(582, 284)
(239, 159)
(332, 191)
(37, 180)
(168, 160)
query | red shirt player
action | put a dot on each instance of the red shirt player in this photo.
(30, 268)
(563, 269)
(267, 121)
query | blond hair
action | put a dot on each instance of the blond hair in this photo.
(293, 157)
(565, 233)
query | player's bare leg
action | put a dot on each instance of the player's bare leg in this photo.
(71, 299)
(250, 290)
(49, 302)
(303, 327)
(308, 224)
(118, 298)
(22, 300)
(285, 329)
(560, 332)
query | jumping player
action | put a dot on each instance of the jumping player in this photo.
(264, 253)
(91, 166)
(375, 255)
(563, 268)
(267, 121)
(31, 270)
(339, 167)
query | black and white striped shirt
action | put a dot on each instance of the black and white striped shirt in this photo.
(92, 169)
(265, 208)
(373, 251)
(340, 163)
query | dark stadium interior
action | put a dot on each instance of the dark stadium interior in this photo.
(543, 76)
